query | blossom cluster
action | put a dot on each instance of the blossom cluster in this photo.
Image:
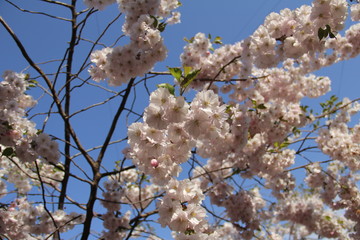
(247, 138)
(22, 219)
(341, 143)
(247, 212)
(172, 128)
(355, 12)
(290, 34)
(120, 189)
(17, 132)
(180, 207)
(309, 212)
(24, 176)
(146, 45)
(338, 141)
(27, 159)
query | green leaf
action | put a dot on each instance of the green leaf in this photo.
(316, 125)
(161, 26)
(322, 33)
(228, 109)
(304, 108)
(156, 22)
(59, 168)
(331, 35)
(8, 152)
(284, 144)
(143, 177)
(296, 131)
(328, 28)
(33, 81)
(338, 104)
(256, 106)
(189, 40)
(328, 218)
(7, 125)
(341, 222)
(236, 171)
(189, 231)
(168, 86)
(189, 78)
(334, 98)
(176, 72)
(279, 145)
(187, 70)
(261, 106)
(217, 40)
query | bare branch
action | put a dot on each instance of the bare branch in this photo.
(58, 3)
(331, 111)
(40, 13)
(44, 200)
(96, 42)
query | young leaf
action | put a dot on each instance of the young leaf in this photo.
(217, 40)
(187, 70)
(168, 86)
(322, 33)
(161, 26)
(59, 168)
(189, 78)
(189, 40)
(156, 22)
(284, 144)
(304, 108)
(331, 35)
(8, 152)
(7, 125)
(261, 106)
(176, 72)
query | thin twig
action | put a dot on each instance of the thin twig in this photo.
(39, 13)
(44, 200)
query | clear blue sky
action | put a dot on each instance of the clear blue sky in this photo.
(233, 20)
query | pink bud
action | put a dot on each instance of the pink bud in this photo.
(154, 163)
(12, 206)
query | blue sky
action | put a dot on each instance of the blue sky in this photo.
(233, 20)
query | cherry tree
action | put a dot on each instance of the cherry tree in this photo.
(222, 147)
